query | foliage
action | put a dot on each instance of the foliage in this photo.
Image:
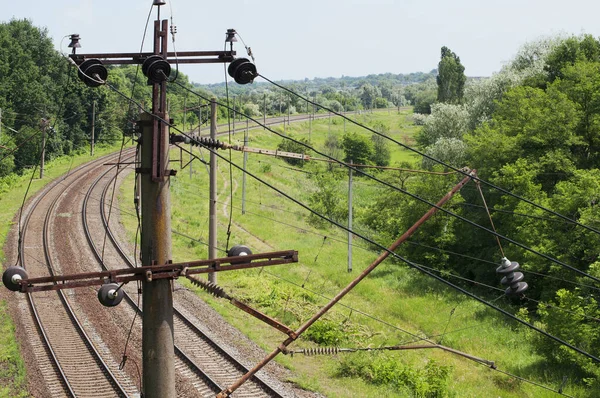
(451, 151)
(327, 333)
(445, 121)
(451, 77)
(328, 199)
(569, 51)
(430, 381)
(423, 101)
(357, 148)
(381, 152)
(573, 315)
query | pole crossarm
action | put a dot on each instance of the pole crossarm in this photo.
(185, 57)
(154, 272)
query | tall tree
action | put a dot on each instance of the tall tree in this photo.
(451, 77)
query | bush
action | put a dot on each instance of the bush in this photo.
(430, 381)
(327, 333)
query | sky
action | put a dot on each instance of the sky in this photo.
(325, 38)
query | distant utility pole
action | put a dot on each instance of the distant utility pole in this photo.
(288, 106)
(44, 126)
(93, 128)
(265, 111)
(0, 123)
(212, 222)
(350, 217)
(244, 173)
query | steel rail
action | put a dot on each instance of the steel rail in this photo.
(209, 382)
(37, 318)
(234, 362)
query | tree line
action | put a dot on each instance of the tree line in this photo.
(533, 129)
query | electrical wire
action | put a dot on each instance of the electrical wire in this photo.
(414, 196)
(414, 265)
(443, 272)
(496, 264)
(437, 160)
(395, 255)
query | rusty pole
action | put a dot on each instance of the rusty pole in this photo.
(283, 346)
(157, 335)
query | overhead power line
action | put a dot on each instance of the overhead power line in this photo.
(395, 255)
(414, 196)
(436, 160)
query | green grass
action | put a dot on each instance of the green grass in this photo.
(13, 381)
(400, 297)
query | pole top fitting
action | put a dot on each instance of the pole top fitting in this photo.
(159, 3)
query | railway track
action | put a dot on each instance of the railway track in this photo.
(68, 359)
(76, 363)
(198, 356)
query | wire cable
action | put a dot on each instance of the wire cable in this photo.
(395, 255)
(414, 196)
(437, 160)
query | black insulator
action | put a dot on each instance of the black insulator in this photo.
(110, 294)
(239, 251)
(242, 70)
(512, 278)
(92, 72)
(156, 69)
(13, 276)
(209, 143)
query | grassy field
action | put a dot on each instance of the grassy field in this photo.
(12, 368)
(394, 305)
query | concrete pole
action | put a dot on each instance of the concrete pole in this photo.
(310, 118)
(244, 174)
(157, 295)
(288, 106)
(265, 111)
(212, 223)
(93, 128)
(44, 128)
(157, 339)
(350, 218)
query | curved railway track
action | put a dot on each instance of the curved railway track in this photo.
(197, 354)
(73, 366)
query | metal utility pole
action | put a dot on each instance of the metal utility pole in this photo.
(350, 217)
(44, 128)
(212, 223)
(244, 174)
(310, 118)
(344, 115)
(93, 128)
(157, 296)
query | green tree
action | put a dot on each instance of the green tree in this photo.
(569, 51)
(451, 77)
(445, 121)
(357, 148)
